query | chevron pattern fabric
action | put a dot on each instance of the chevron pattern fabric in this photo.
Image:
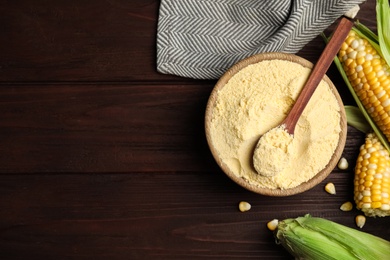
(201, 39)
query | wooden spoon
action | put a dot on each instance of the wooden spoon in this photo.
(318, 72)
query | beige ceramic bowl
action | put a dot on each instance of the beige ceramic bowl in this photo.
(319, 177)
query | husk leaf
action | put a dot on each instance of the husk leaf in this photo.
(317, 238)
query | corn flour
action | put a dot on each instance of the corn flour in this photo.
(273, 151)
(257, 99)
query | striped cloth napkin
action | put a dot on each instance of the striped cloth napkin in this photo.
(201, 39)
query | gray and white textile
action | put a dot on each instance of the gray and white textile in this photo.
(203, 38)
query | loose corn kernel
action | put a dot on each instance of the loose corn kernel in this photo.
(273, 224)
(360, 220)
(330, 188)
(244, 206)
(372, 179)
(363, 65)
(346, 206)
(343, 164)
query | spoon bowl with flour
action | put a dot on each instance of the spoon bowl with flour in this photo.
(275, 148)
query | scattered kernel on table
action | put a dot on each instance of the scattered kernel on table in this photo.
(330, 188)
(360, 220)
(343, 164)
(273, 224)
(244, 206)
(346, 206)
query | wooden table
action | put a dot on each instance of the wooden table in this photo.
(101, 157)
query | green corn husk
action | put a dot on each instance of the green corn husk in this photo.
(383, 23)
(356, 119)
(317, 238)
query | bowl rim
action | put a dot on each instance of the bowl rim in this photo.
(320, 176)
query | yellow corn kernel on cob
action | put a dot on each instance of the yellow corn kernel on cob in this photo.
(372, 178)
(369, 75)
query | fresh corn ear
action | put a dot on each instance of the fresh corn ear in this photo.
(363, 61)
(369, 76)
(372, 178)
(317, 238)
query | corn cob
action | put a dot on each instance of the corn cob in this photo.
(369, 76)
(372, 178)
(317, 238)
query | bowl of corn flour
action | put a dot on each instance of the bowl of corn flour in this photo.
(253, 97)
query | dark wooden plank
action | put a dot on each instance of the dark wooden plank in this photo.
(101, 157)
(79, 41)
(179, 215)
(101, 41)
(102, 128)
(106, 128)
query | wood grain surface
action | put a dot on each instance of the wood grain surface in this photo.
(101, 157)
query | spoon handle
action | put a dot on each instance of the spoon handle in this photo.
(318, 72)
